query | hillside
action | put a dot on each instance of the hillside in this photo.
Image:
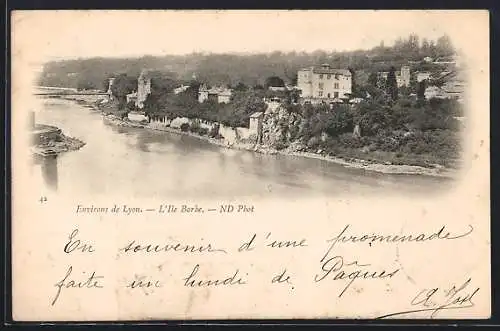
(250, 69)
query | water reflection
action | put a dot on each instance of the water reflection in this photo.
(48, 168)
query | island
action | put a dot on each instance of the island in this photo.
(47, 140)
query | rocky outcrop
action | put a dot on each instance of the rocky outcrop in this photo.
(279, 127)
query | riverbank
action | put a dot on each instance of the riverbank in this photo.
(348, 162)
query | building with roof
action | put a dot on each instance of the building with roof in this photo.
(217, 94)
(402, 77)
(324, 83)
(132, 97)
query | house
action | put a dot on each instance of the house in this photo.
(217, 94)
(255, 126)
(402, 77)
(324, 83)
(132, 97)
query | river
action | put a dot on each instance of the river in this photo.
(146, 163)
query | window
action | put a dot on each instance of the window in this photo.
(320, 86)
(320, 76)
(329, 76)
(336, 86)
(320, 93)
(335, 95)
(328, 95)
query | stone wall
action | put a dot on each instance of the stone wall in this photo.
(230, 135)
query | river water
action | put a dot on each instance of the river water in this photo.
(146, 164)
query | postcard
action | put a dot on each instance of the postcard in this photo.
(268, 164)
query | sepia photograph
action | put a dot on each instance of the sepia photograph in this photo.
(371, 116)
(239, 164)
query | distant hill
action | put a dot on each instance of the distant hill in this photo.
(231, 69)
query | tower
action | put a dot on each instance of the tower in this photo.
(110, 83)
(143, 88)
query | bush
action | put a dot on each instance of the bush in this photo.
(280, 144)
(347, 140)
(184, 127)
(313, 142)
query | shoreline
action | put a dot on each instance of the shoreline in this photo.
(346, 162)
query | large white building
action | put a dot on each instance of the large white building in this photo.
(324, 83)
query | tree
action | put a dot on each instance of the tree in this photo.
(425, 49)
(413, 42)
(240, 87)
(392, 84)
(341, 121)
(122, 86)
(444, 46)
(85, 85)
(353, 81)
(432, 49)
(421, 90)
(293, 96)
(105, 84)
(372, 79)
(274, 81)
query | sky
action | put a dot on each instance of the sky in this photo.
(82, 34)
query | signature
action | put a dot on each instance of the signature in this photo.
(437, 299)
